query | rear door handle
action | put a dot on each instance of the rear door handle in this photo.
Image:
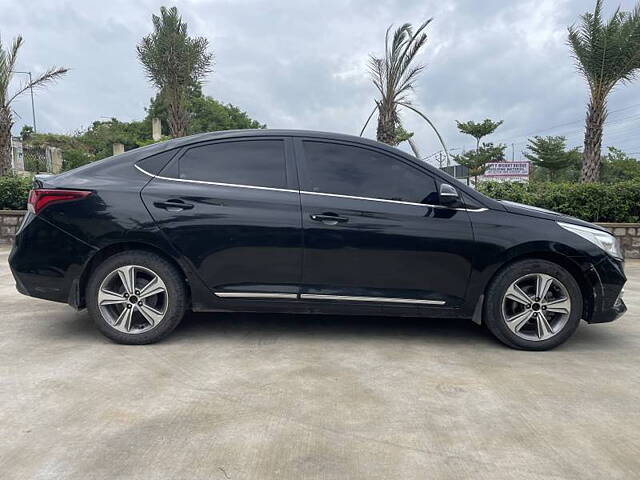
(173, 205)
(329, 218)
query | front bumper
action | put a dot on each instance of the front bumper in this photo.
(607, 280)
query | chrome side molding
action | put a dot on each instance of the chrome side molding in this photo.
(313, 296)
(288, 296)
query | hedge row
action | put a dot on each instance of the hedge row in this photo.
(14, 192)
(593, 202)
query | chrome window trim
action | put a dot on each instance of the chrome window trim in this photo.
(339, 195)
(290, 296)
(218, 184)
(313, 296)
(304, 192)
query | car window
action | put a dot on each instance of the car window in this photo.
(155, 163)
(252, 162)
(362, 172)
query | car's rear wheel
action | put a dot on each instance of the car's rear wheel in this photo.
(136, 297)
(533, 305)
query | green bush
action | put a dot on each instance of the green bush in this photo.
(593, 202)
(14, 192)
(74, 158)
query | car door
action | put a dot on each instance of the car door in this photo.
(232, 208)
(374, 230)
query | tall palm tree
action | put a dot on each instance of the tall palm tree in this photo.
(394, 76)
(175, 63)
(607, 53)
(7, 63)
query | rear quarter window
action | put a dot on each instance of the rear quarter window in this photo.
(155, 163)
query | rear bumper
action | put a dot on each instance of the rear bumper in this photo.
(607, 279)
(46, 262)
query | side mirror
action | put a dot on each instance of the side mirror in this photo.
(449, 195)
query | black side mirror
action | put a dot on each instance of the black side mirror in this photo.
(449, 195)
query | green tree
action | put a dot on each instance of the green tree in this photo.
(25, 132)
(394, 76)
(476, 160)
(607, 53)
(551, 154)
(96, 142)
(205, 114)
(101, 135)
(617, 166)
(8, 59)
(174, 62)
(478, 130)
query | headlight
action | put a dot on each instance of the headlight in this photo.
(604, 240)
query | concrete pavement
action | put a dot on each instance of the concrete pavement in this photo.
(248, 396)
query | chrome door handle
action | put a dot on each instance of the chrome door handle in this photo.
(329, 219)
(173, 205)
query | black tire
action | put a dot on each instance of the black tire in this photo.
(495, 320)
(175, 296)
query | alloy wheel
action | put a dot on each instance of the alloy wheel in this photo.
(133, 299)
(536, 307)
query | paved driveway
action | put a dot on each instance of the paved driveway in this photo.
(247, 396)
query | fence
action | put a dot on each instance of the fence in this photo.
(28, 158)
(457, 171)
(35, 159)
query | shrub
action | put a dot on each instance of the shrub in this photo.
(74, 158)
(593, 202)
(14, 192)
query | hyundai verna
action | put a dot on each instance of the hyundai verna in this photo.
(308, 222)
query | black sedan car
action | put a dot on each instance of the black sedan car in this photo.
(297, 221)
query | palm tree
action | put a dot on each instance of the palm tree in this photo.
(7, 64)
(607, 53)
(394, 77)
(175, 63)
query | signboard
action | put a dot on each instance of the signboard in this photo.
(507, 169)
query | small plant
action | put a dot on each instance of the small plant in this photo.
(476, 160)
(14, 192)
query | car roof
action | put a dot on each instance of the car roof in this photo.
(263, 132)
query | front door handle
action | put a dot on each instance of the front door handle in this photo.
(329, 218)
(173, 205)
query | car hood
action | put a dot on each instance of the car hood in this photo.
(531, 211)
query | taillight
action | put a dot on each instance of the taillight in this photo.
(39, 198)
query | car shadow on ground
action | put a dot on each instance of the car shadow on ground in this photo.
(299, 326)
(263, 325)
(263, 328)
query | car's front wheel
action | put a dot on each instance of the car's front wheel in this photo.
(533, 305)
(136, 297)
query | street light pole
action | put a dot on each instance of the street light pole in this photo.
(33, 107)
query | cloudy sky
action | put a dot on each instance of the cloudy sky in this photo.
(302, 64)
